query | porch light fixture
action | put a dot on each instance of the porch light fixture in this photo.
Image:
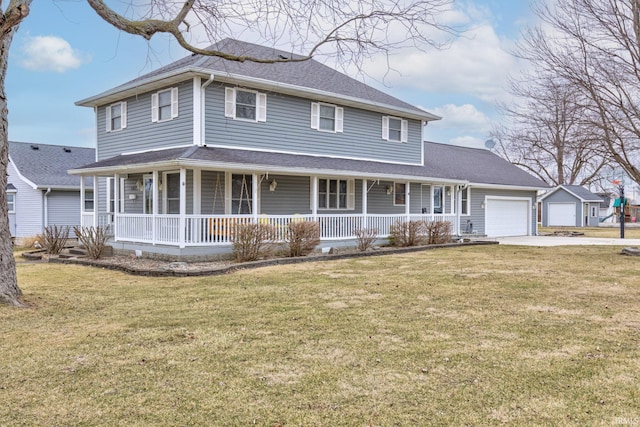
(482, 205)
(139, 185)
(273, 185)
(389, 189)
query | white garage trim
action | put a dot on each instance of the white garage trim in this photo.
(562, 214)
(507, 216)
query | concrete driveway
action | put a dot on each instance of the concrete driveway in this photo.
(565, 241)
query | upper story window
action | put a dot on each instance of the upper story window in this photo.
(245, 104)
(164, 105)
(326, 117)
(11, 202)
(336, 194)
(394, 129)
(116, 116)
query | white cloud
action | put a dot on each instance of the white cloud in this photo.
(467, 141)
(50, 53)
(463, 118)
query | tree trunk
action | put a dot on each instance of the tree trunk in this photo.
(9, 291)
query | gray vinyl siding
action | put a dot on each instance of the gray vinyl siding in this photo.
(141, 134)
(381, 203)
(29, 215)
(212, 196)
(292, 196)
(477, 216)
(288, 129)
(63, 209)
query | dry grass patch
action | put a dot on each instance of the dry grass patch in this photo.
(474, 336)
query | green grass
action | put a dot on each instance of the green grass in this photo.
(489, 335)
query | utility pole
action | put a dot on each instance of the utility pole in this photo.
(622, 203)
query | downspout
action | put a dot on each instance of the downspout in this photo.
(202, 109)
(46, 208)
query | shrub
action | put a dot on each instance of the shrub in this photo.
(302, 237)
(365, 238)
(55, 238)
(407, 233)
(438, 232)
(250, 241)
(93, 239)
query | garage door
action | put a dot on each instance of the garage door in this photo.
(506, 217)
(562, 214)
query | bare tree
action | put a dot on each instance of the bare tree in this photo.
(352, 30)
(594, 45)
(549, 133)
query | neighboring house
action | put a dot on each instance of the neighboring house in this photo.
(40, 191)
(189, 150)
(570, 206)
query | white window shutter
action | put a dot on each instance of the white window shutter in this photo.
(385, 128)
(339, 118)
(154, 107)
(351, 194)
(315, 115)
(229, 102)
(174, 102)
(123, 114)
(404, 132)
(108, 118)
(262, 107)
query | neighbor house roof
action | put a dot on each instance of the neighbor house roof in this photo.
(309, 78)
(577, 191)
(11, 187)
(443, 163)
(45, 166)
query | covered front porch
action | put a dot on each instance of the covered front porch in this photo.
(167, 207)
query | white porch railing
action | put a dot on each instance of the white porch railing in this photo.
(104, 220)
(206, 230)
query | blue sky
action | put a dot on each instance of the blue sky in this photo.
(64, 52)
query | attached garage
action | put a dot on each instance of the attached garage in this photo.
(507, 217)
(562, 215)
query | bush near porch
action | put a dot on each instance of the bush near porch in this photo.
(441, 337)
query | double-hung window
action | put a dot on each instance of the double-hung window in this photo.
(116, 116)
(172, 193)
(336, 194)
(327, 117)
(394, 129)
(464, 202)
(438, 199)
(241, 193)
(11, 202)
(399, 194)
(164, 105)
(243, 104)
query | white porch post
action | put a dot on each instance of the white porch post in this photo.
(116, 204)
(183, 207)
(314, 197)
(407, 200)
(255, 185)
(365, 198)
(154, 204)
(95, 201)
(82, 189)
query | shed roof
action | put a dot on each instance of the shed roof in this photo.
(46, 166)
(577, 191)
(443, 162)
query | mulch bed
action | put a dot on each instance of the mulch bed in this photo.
(158, 268)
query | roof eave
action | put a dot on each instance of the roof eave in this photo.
(508, 186)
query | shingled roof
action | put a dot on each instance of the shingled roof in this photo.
(578, 191)
(309, 75)
(46, 165)
(443, 163)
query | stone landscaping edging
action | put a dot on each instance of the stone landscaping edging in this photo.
(160, 272)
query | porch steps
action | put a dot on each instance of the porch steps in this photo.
(73, 252)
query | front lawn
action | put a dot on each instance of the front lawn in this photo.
(486, 335)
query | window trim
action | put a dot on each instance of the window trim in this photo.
(109, 116)
(155, 105)
(442, 203)
(396, 193)
(404, 129)
(338, 118)
(350, 194)
(230, 105)
(468, 213)
(11, 209)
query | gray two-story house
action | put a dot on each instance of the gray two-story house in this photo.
(189, 150)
